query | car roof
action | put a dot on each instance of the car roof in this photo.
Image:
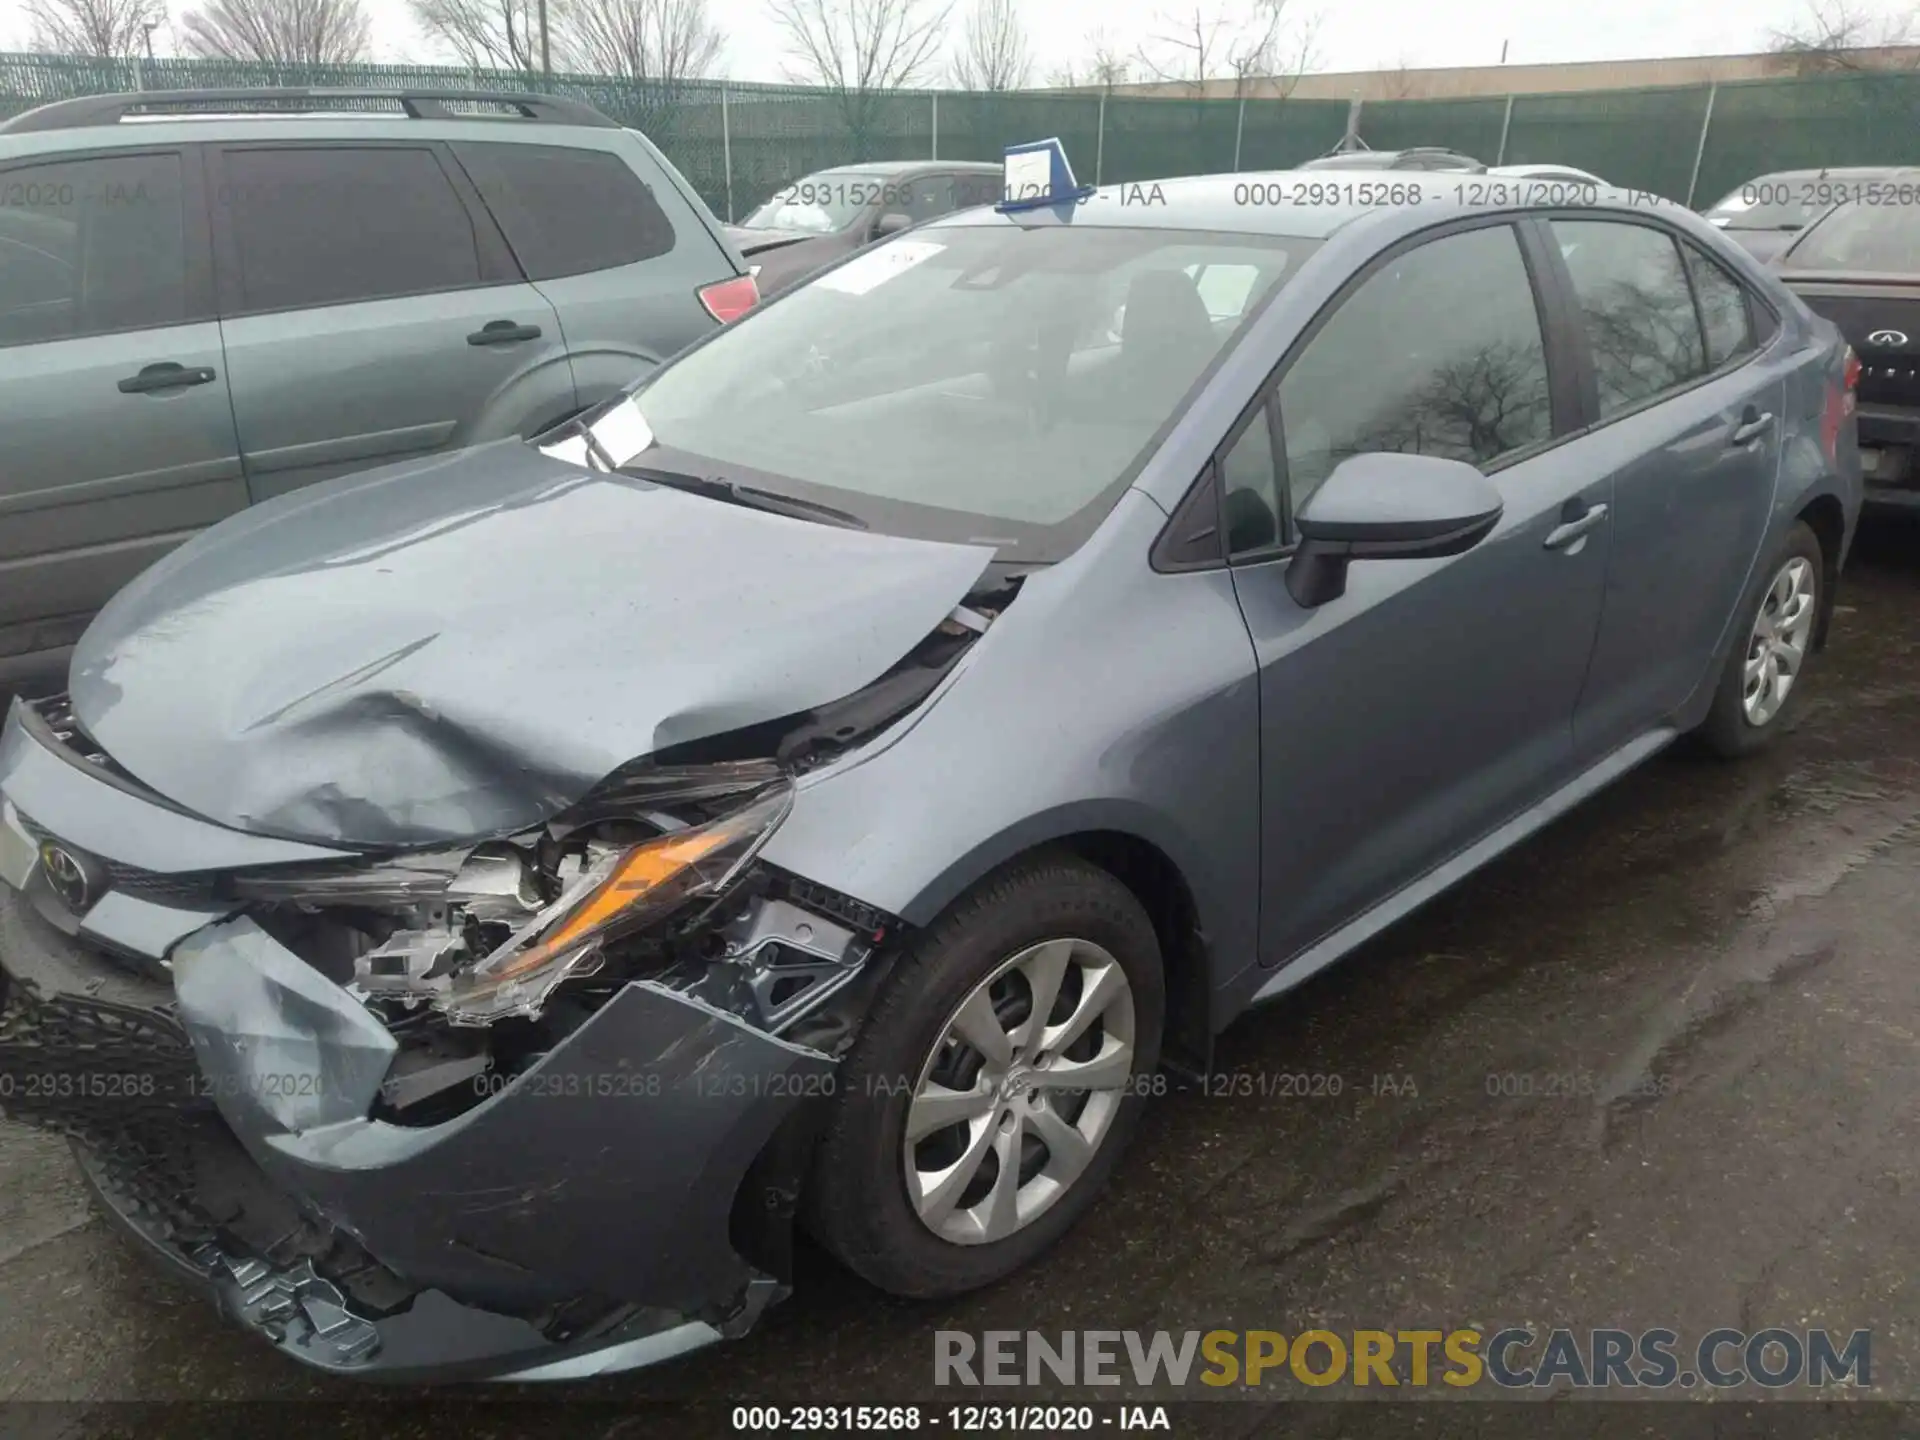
(1257, 203)
(1844, 172)
(902, 167)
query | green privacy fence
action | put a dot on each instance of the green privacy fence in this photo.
(738, 143)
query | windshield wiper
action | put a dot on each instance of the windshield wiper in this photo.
(732, 492)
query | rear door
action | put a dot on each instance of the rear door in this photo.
(1687, 424)
(118, 434)
(616, 247)
(371, 311)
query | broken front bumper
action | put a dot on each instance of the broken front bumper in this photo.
(576, 1222)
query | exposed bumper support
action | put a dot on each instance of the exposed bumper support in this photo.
(574, 1224)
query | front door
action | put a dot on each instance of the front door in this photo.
(1434, 700)
(371, 311)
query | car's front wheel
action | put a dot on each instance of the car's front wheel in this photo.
(1764, 678)
(995, 1083)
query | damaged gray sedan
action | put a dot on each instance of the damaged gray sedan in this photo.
(468, 915)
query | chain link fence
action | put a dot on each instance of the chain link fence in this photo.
(739, 143)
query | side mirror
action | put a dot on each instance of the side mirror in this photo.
(1387, 507)
(892, 223)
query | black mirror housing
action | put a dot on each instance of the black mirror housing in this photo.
(1388, 507)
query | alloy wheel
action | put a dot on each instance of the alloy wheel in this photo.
(1777, 648)
(1019, 1091)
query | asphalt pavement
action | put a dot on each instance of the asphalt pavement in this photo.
(1658, 1067)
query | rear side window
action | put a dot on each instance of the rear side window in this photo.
(91, 247)
(326, 226)
(567, 211)
(1438, 352)
(1723, 309)
(1637, 307)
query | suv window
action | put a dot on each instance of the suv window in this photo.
(1639, 316)
(91, 247)
(567, 211)
(926, 197)
(1723, 309)
(1439, 352)
(333, 224)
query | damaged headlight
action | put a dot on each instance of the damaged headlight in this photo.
(621, 892)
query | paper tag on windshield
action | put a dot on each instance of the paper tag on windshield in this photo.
(623, 432)
(876, 267)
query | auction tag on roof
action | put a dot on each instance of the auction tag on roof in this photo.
(878, 266)
(1028, 174)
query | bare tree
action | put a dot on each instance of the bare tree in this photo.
(495, 34)
(1837, 37)
(279, 32)
(657, 46)
(1106, 66)
(993, 49)
(1397, 82)
(861, 49)
(103, 29)
(1242, 43)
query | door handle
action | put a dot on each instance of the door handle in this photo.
(1565, 534)
(503, 332)
(167, 375)
(1751, 426)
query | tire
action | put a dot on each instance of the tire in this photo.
(1731, 728)
(858, 1202)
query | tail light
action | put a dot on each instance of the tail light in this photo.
(1840, 404)
(730, 299)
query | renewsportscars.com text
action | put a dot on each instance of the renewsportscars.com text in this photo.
(1654, 1359)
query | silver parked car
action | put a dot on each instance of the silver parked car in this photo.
(826, 783)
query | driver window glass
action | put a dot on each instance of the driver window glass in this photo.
(1439, 352)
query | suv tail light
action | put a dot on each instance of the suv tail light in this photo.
(1850, 378)
(730, 299)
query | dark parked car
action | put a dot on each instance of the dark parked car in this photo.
(813, 222)
(513, 887)
(1420, 157)
(1859, 265)
(208, 298)
(1765, 214)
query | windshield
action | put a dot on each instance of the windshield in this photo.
(988, 384)
(1861, 236)
(824, 203)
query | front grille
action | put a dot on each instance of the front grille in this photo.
(119, 1078)
(189, 890)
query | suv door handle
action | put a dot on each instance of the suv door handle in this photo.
(1752, 426)
(503, 332)
(1567, 532)
(166, 375)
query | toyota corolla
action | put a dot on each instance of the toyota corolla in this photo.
(467, 915)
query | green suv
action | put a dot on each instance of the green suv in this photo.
(208, 298)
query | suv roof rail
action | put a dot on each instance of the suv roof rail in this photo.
(414, 104)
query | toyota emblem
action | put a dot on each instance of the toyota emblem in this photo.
(67, 875)
(1887, 337)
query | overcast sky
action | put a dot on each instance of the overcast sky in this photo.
(1351, 34)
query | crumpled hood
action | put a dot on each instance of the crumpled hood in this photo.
(462, 646)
